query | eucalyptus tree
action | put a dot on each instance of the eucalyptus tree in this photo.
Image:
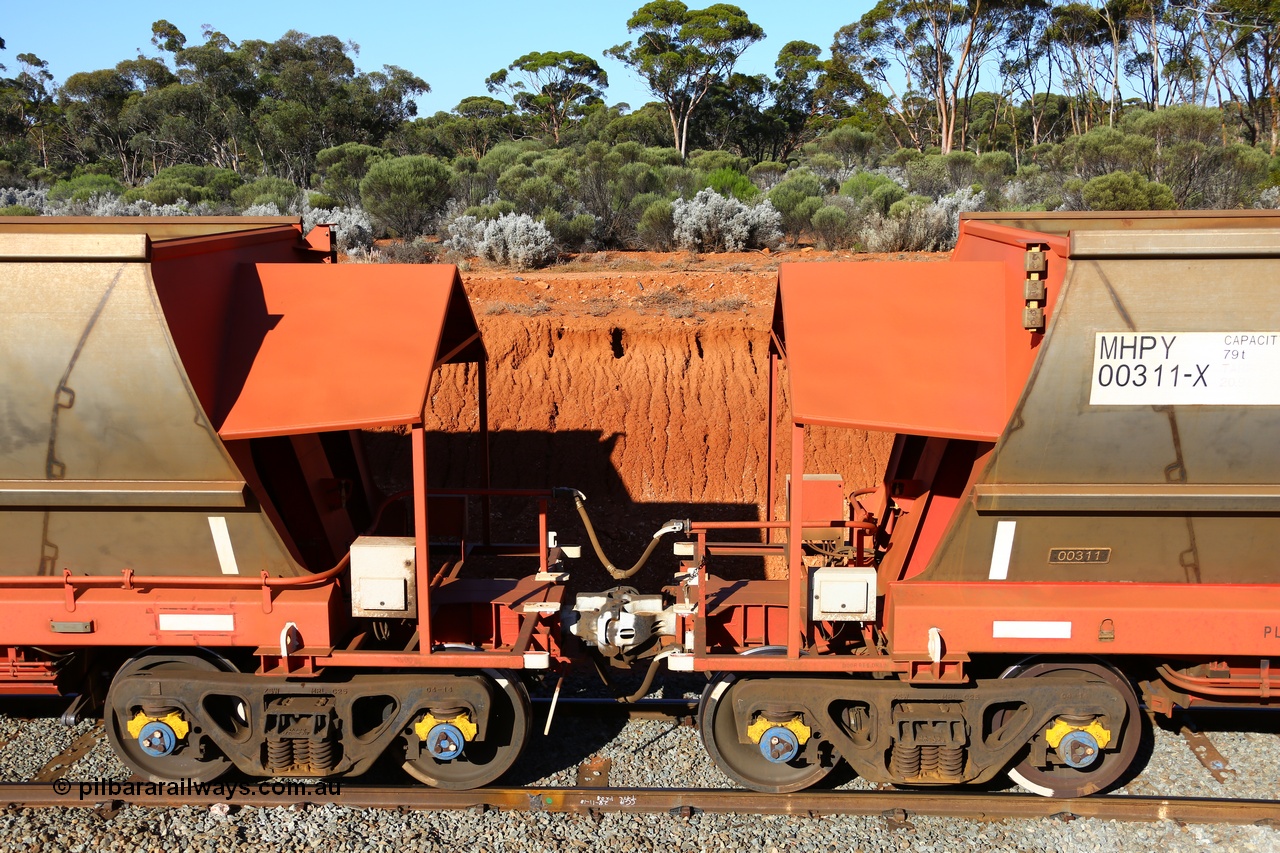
(681, 53)
(311, 97)
(1024, 71)
(96, 126)
(936, 48)
(27, 109)
(1077, 42)
(1248, 39)
(553, 87)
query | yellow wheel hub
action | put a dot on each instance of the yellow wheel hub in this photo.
(1061, 728)
(173, 720)
(462, 722)
(756, 730)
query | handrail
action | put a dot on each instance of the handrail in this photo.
(777, 525)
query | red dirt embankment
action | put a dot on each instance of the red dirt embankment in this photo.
(641, 380)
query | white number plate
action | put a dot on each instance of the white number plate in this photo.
(1186, 369)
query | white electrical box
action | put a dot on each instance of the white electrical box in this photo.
(383, 577)
(843, 594)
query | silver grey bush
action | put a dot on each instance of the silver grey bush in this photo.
(930, 228)
(462, 234)
(37, 200)
(515, 239)
(352, 226)
(711, 222)
(267, 208)
(105, 204)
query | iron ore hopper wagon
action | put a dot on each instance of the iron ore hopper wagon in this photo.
(1080, 512)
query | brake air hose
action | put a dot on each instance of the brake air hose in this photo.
(580, 502)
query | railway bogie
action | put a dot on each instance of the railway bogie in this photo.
(1079, 514)
(175, 715)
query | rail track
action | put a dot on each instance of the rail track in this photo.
(54, 786)
(894, 805)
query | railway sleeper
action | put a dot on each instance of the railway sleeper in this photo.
(273, 728)
(890, 732)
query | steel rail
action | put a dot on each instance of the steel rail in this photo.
(685, 802)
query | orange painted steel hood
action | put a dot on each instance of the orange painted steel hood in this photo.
(905, 347)
(317, 347)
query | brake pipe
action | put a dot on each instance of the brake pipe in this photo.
(675, 525)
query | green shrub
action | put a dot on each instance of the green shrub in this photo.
(873, 191)
(902, 157)
(405, 194)
(84, 187)
(1126, 191)
(731, 182)
(994, 168)
(850, 145)
(767, 174)
(268, 190)
(18, 210)
(831, 225)
(538, 193)
(215, 184)
(164, 192)
(714, 161)
(343, 167)
(495, 210)
(905, 207)
(827, 169)
(860, 184)
(320, 201)
(930, 175)
(656, 229)
(571, 233)
(797, 199)
(501, 157)
(885, 196)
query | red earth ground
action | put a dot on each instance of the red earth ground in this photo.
(642, 380)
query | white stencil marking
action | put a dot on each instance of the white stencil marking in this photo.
(1002, 550)
(222, 544)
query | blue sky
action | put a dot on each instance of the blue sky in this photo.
(454, 46)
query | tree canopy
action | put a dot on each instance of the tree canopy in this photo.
(681, 53)
(552, 86)
(917, 110)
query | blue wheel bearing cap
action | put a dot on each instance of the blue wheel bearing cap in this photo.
(779, 745)
(157, 739)
(444, 742)
(1079, 749)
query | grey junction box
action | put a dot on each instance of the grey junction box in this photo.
(382, 577)
(843, 594)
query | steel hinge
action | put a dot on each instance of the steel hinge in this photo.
(1034, 292)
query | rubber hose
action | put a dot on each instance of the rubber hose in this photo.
(618, 574)
(644, 685)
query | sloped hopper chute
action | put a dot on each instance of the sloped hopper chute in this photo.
(317, 348)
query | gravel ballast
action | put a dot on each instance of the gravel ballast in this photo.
(656, 753)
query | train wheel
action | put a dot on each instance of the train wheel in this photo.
(745, 763)
(1100, 768)
(482, 761)
(158, 752)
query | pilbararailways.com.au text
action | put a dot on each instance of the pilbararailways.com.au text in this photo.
(224, 791)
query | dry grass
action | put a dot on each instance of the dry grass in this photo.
(537, 309)
(600, 306)
(726, 303)
(675, 302)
